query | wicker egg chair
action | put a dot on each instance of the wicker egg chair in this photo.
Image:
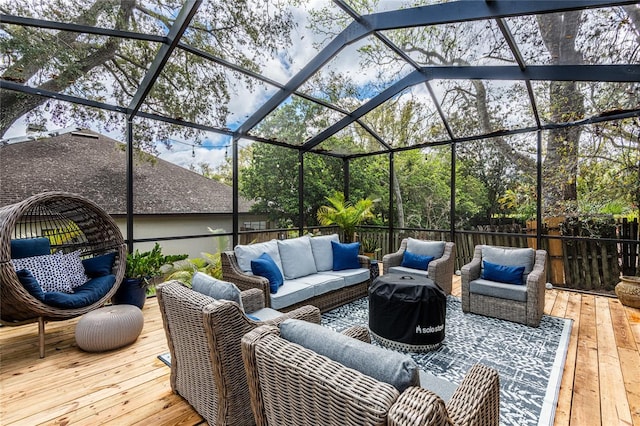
(71, 223)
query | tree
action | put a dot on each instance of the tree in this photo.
(110, 68)
(608, 35)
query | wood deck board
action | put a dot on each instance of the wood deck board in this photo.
(131, 386)
(613, 399)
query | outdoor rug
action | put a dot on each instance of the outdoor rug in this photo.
(529, 360)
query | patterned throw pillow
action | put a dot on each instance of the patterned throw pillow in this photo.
(50, 270)
(75, 269)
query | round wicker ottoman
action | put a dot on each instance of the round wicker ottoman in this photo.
(109, 328)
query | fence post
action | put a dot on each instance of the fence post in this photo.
(556, 257)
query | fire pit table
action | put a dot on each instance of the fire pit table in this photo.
(407, 313)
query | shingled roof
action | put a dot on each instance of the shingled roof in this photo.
(94, 165)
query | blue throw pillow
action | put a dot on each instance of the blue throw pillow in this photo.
(501, 273)
(415, 261)
(265, 266)
(30, 283)
(99, 266)
(345, 255)
(29, 247)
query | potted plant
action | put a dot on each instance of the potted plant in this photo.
(346, 215)
(141, 269)
(369, 246)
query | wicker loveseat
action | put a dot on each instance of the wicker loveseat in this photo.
(318, 284)
(440, 269)
(204, 335)
(293, 385)
(67, 224)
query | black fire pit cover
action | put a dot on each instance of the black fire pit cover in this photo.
(408, 310)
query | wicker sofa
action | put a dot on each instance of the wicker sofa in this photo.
(323, 286)
(292, 384)
(440, 269)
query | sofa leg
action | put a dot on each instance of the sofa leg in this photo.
(41, 335)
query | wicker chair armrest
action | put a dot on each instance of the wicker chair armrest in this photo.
(358, 332)
(306, 313)
(536, 288)
(392, 259)
(364, 261)
(477, 400)
(252, 299)
(418, 406)
(441, 269)
(231, 272)
(471, 271)
(538, 272)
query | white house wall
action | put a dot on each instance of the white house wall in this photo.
(154, 227)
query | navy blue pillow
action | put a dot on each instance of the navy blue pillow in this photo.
(501, 273)
(85, 295)
(30, 283)
(99, 266)
(29, 247)
(265, 266)
(415, 261)
(345, 255)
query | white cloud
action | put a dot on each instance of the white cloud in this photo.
(211, 152)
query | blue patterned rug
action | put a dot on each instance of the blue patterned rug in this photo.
(529, 360)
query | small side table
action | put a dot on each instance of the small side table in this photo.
(374, 269)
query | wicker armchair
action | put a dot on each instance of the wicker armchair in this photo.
(440, 270)
(528, 311)
(204, 335)
(292, 385)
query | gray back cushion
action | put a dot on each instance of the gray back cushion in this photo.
(212, 287)
(297, 257)
(383, 365)
(322, 251)
(246, 253)
(426, 248)
(510, 257)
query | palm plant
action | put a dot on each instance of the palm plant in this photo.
(346, 215)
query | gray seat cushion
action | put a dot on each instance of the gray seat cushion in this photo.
(291, 292)
(384, 365)
(499, 290)
(265, 314)
(321, 283)
(351, 276)
(441, 387)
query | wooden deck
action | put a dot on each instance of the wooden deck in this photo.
(600, 385)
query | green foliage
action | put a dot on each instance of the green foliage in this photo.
(110, 68)
(210, 264)
(346, 215)
(149, 264)
(369, 244)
